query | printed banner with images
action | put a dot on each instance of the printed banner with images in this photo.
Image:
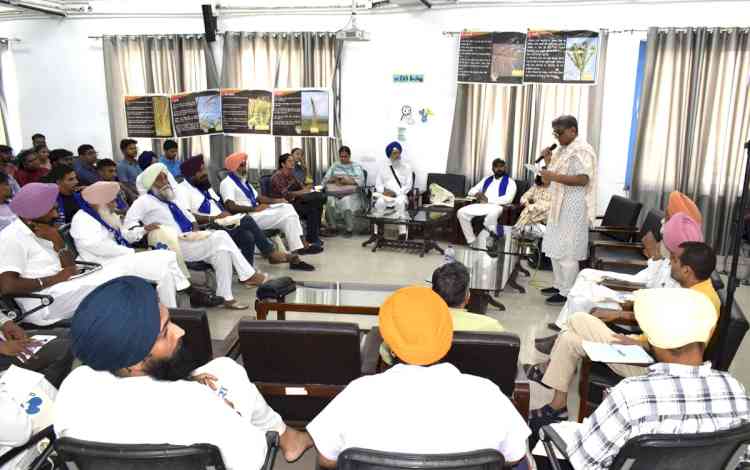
(148, 116)
(491, 57)
(197, 113)
(303, 112)
(246, 111)
(561, 57)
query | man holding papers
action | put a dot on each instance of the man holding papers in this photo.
(692, 265)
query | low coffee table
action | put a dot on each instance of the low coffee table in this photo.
(425, 219)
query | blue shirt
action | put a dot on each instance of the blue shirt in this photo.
(128, 171)
(172, 165)
(87, 175)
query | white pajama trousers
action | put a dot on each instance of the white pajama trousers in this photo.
(491, 212)
(282, 217)
(565, 271)
(586, 294)
(399, 203)
(222, 253)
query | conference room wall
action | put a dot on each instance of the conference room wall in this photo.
(59, 86)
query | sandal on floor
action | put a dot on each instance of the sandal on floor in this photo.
(535, 373)
(234, 305)
(253, 285)
(549, 414)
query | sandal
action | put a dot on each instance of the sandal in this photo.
(234, 305)
(549, 414)
(535, 373)
(253, 285)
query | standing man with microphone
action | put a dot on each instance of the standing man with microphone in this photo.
(570, 171)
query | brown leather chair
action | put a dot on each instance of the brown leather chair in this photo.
(299, 366)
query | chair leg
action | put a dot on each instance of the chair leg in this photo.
(583, 390)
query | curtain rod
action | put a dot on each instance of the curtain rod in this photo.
(627, 31)
(262, 33)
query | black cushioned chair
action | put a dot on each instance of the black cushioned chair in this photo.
(299, 366)
(626, 256)
(85, 455)
(453, 183)
(619, 220)
(719, 450)
(46, 433)
(355, 458)
(511, 211)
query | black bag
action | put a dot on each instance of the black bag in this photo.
(276, 288)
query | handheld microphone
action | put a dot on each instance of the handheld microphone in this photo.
(551, 148)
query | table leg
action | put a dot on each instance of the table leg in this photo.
(373, 236)
(478, 301)
(513, 279)
(379, 237)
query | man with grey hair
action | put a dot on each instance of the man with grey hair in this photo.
(570, 172)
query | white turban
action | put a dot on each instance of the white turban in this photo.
(150, 174)
(672, 318)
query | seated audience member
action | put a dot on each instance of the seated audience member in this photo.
(128, 169)
(680, 394)
(133, 386)
(146, 158)
(160, 206)
(61, 157)
(85, 165)
(66, 180)
(692, 265)
(34, 258)
(38, 139)
(97, 232)
(536, 203)
(196, 195)
(29, 170)
(6, 161)
(393, 183)
(6, 215)
(300, 166)
(270, 214)
(677, 203)
(169, 159)
(107, 170)
(419, 412)
(42, 153)
(342, 182)
(491, 194)
(587, 288)
(451, 282)
(284, 185)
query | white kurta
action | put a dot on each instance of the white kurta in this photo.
(97, 244)
(191, 198)
(218, 249)
(492, 209)
(276, 217)
(386, 181)
(31, 257)
(586, 294)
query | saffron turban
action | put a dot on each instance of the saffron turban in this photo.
(233, 161)
(678, 202)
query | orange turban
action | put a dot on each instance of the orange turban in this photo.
(678, 202)
(234, 161)
(417, 325)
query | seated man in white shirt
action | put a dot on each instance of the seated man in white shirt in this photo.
(159, 206)
(97, 232)
(133, 386)
(267, 212)
(393, 183)
(34, 258)
(492, 193)
(419, 406)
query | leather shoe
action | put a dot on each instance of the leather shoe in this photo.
(309, 250)
(550, 291)
(544, 345)
(556, 299)
(200, 298)
(301, 266)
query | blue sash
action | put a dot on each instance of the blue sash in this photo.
(60, 211)
(120, 202)
(501, 189)
(205, 207)
(86, 207)
(178, 216)
(249, 193)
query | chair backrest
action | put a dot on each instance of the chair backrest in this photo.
(70, 243)
(453, 183)
(736, 331)
(470, 351)
(197, 339)
(363, 459)
(652, 223)
(621, 212)
(705, 451)
(265, 185)
(300, 365)
(521, 187)
(85, 455)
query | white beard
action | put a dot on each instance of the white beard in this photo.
(166, 193)
(110, 217)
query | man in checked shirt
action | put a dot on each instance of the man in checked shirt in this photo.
(680, 394)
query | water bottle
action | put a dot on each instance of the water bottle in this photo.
(449, 255)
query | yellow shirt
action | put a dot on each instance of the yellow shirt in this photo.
(462, 321)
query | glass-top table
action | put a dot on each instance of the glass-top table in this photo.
(424, 220)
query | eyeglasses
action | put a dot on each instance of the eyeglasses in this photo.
(558, 132)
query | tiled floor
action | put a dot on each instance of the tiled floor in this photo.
(525, 314)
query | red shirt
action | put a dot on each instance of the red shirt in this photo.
(25, 177)
(282, 182)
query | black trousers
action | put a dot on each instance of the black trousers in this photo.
(310, 207)
(54, 360)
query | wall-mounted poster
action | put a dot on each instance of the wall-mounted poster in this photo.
(246, 111)
(197, 113)
(491, 57)
(304, 112)
(561, 57)
(148, 116)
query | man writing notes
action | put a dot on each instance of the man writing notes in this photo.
(570, 172)
(491, 193)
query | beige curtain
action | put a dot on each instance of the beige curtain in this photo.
(284, 60)
(694, 119)
(153, 64)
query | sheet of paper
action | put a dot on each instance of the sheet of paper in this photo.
(532, 168)
(42, 340)
(617, 353)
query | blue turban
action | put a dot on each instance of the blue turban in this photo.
(146, 159)
(391, 146)
(117, 324)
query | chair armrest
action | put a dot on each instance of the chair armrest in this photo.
(46, 433)
(44, 299)
(371, 351)
(614, 228)
(521, 393)
(272, 443)
(551, 440)
(618, 244)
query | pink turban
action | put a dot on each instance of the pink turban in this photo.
(34, 200)
(678, 202)
(101, 193)
(681, 228)
(234, 161)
